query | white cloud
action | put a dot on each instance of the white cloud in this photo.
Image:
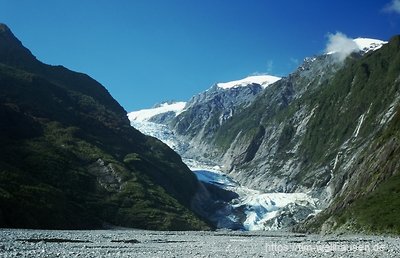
(270, 66)
(394, 6)
(340, 45)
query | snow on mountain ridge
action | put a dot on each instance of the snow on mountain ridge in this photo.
(263, 80)
(179, 107)
(359, 44)
(146, 114)
(367, 44)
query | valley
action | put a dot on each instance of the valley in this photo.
(235, 206)
(143, 243)
(199, 128)
(306, 152)
(317, 138)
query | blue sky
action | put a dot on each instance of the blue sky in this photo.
(148, 51)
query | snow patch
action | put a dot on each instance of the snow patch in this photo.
(339, 43)
(146, 114)
(366, 44)
(263, 80)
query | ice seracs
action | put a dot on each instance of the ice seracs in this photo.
(263, 80)
(146, 114)
(264, 211)
(255, 210)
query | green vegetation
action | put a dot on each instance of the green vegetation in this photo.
(336, 101)
(364, 86)
(70, 160)
(377, 211)
(372, 203)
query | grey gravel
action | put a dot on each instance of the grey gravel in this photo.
(143, 243)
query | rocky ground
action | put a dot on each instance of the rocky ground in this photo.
(140, 243)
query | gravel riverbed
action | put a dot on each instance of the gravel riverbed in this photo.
(143, 243)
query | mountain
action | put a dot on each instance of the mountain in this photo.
(161, 114)
(329, 129)
(69, 158)
(263, 80)
(366, 166)
(164, 111)
(366, 44)
(192, 124)
(206, 112)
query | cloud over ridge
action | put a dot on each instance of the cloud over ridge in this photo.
(340, 45)
(394, 6)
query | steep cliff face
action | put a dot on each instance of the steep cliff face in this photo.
(365, 171)
(315, 123)
(206, 112)
(260, 146)
(329, 129)
(335, 135)
(70, 159)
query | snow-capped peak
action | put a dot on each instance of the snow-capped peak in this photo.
(263, 80)
(366, 44)
(146, 114)
(346, 46)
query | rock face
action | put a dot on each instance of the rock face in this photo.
(237, 127)
(106, 175)
(318, 131)
(329, 129)
(206, 112)
(69, 158)
(261, 146)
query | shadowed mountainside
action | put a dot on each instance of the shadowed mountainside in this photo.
(69, 158)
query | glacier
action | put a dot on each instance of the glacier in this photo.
(146, 114)
(278, 203)
(249, 209)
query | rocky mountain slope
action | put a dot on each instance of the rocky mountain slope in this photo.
(329, 129)
(204, 114)
(328, 136)
(365, 171)
(69, 158)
